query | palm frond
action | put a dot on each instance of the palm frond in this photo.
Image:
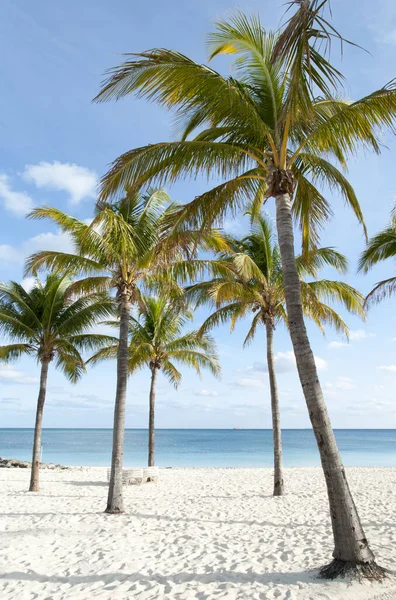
(13, 352)
(174, 80)
(379, 248)
(108, 353)
(257, 320)
(92, 341)
(322, 171)
(61, 262)
(313, 260)
(171, 373)
(337, 291)
(383, 289)
(156, 164)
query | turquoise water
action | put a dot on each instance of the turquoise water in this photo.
(200, 447)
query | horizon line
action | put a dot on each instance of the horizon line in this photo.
(204, 428)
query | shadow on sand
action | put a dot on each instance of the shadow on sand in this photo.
(220, 576)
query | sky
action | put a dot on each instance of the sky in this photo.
(55, 144)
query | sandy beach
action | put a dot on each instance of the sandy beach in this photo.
(197, 533)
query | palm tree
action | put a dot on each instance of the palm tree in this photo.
(120, 250)
(249, 281)
(157, 341)
(50, 323)
(379, 248)
(277, 130)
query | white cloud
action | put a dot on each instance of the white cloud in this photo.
(336, 345)
(78, 182)
(14, 402)
(43, 241)
(8, 254)
(28, 283)
(388, 368)
(321, 364)
(234, 226)
(11, 375)
(210, 393)
(329, 389)
(285, 362)
(389, 37)
(341, 383)
(18, 203)
(48, 241)
(358, 335)
(80, 401)
(250, 383)
(345, 383)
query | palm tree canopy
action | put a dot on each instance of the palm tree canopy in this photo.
(51, 323)
(277, 120)
(123, 245)
(250, 280)
(157, 340)
(379, 248)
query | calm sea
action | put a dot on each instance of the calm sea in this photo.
(200, 447)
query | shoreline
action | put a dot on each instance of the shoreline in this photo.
(61, 467)
(197, 533)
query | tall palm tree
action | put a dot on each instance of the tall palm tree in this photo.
(249, 281)
(277, 129)
(379, 248)
(157, 341)
(50, 323)
(120, 250)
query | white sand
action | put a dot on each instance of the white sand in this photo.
(198, 533)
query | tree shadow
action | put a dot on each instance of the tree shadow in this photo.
(219, 576)
(49, 514)
(88, 483)
(168, 518)
(221, 521)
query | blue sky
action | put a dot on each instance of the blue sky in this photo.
(54, 146)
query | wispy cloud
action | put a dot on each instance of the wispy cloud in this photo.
(388, 368)
(9, 254)
(17, 203)
(209, 393)
(80, 401)
(79, 182)
(285, 362)
(28, 283)
(345, 383)
(10, 375)
(337, 345)
(43, 241)
(10, 401)
(389, 37)
(246, 382)
(358, 335)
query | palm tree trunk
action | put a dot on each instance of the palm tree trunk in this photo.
(115, 502)
(34, 476)
(151, 444)
(351, 549)
(276, 426)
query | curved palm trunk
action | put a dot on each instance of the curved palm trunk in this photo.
(351, 548)
(151, 443)
(115, 502)
(34, 476)
(276, 426)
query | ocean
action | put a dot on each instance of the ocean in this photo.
(200, 447)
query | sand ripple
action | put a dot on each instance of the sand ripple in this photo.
(198, 533)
